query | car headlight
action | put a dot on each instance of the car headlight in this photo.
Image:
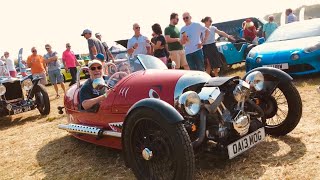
(3, 89)
(190, 103)
(295, 56)
(312, 48)
(27, 84)
(258, 60)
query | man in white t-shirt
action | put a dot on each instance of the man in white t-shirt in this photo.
(290, 16)
(10, 65)
(190, 38)
(138, 44)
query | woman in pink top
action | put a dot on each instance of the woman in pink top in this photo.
(70, 63)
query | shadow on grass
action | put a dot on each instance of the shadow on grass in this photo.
(69, 157)
(252, 164)
(9, 121)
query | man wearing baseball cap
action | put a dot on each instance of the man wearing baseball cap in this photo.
(95, 46)
(90, 97)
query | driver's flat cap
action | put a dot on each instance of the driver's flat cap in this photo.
(94, 62)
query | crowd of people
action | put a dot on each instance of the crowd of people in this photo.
(193, 47)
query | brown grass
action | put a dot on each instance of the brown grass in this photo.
(32, 147)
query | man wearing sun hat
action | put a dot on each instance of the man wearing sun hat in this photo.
(90, 97)
(95, 46)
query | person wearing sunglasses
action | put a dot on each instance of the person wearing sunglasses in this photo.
(138, 44)
(90, 97)
(190, 37)
(37, 65)
(176, 51)
(54, 69)
(212, 58)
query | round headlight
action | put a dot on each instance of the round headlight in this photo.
(256, 80)
(190, 102)
(258, 60)
(295, 56)
(27, 84)
(2, 89)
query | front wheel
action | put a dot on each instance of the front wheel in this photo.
(42, 99)
(155, 149)
(283, 109)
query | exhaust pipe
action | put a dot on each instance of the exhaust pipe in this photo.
(90, 130)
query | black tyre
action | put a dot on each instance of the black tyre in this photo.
(42, 99)
(63, 78)
(283, 110)
(246, 52)
(155, 149)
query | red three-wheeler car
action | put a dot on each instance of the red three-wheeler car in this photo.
(159, 116)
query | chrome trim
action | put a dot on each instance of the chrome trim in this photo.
(189, 79)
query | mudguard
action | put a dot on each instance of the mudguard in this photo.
(164, 108)
(271, 73)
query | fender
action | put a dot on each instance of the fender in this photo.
(164, 108)
(271, 73)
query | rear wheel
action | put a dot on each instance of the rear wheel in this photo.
(156, 149)
(42, 99)
(283, 110)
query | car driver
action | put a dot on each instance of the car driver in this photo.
(90, 97)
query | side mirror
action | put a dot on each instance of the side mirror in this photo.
(98, 83)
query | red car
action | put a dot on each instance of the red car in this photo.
(158, 116)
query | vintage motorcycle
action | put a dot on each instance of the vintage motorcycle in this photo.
(158, 116)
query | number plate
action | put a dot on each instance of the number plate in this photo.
(278, 66)
(21, 109)
(245, 143)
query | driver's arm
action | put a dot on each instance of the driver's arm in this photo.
(88, 103)
(222, 33)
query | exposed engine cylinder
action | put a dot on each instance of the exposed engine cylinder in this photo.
(241, 124)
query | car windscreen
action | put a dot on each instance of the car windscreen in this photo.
(295, 31)
(151, 62)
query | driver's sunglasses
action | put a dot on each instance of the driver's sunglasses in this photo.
(94, 68)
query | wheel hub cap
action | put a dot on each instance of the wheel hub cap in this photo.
(147, 154)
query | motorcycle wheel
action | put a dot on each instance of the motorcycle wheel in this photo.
(42, 99)
(156, 149)
(285, 109)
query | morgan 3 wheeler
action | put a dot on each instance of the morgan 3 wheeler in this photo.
(158, 116)
(18, 95)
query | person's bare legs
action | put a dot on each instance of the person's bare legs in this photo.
(208, 68)
(56, 89)
(216, 72)
(63, 88)
(186, 67)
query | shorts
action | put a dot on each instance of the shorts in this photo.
(211, 53)
(13, 73)
(55, 76)
(43, 81)
(196, 60)
(179, 57)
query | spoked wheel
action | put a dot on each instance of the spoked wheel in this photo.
(42, 99)
(283, 109)
(155, 149)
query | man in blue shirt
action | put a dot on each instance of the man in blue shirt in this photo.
(269, 27)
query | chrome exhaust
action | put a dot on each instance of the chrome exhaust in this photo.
(90, 130)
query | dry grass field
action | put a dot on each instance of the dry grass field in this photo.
(32, 147)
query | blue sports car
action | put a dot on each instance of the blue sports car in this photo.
(293, 48)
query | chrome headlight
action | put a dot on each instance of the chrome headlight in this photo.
(27, 84)
(3, 89)
(295, 56)
(312, 48)
(190, 102)
(256, 80)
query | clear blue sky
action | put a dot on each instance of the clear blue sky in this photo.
(27, 23)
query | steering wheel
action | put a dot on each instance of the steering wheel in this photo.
(110, 68)
(113, 77)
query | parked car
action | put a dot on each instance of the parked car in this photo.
(293, 48)
(158, 116)
(233, 27)
(18, 95)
